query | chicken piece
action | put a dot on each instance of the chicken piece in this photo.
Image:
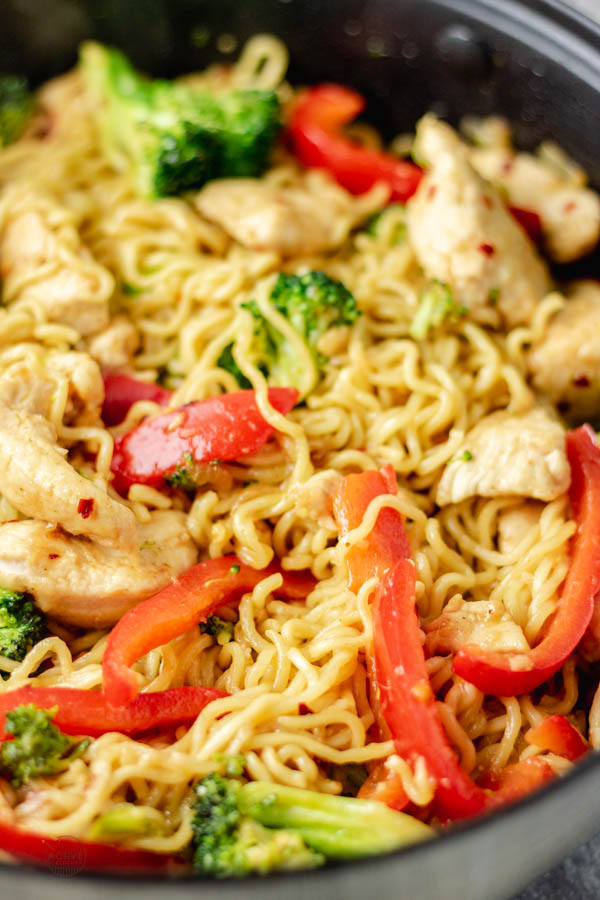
(81, 583)
(37, 480)
(514, 523)
(569, 213)
(565, 364)
(594, 732)
(508, 454)
(42, 259)
(463, 235)
(114, 347)
(313, 498)
(86, 386)
(288, 220)
(25, 385)
(476, 622)
(29, 384)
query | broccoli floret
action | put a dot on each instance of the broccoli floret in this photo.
(218, 628)
(184, 477)
(125, 820)
(390, 222)
(312, 303)
(175, 138)
(260, 827)
(436, 305)
(227, 843)
(226, 361)
(38, 747)
(16, 107)
(249, 123)
(22, 625)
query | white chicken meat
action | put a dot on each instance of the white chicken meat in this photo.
(42, 259)
(569, 213)
(565, 364)
(508, 454)
(80, 582)
(464, 236)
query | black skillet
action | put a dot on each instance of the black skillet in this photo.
(535, 62)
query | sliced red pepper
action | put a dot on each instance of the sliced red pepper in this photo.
(179, 607)
(517, 780)
(220, 428)
(122, 391)
(89, 713)
(530, 221)
(508, 674)
(406, 698)
(70, 856)
(385, 786)
(373, 557)
(314, 130)
(558, 735)
(387, 542)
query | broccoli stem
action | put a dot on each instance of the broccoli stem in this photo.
(338, 827)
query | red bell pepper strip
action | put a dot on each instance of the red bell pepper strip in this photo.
(529, 220)
(558, 735)
(220, 428)
(516, 781)
(70, 856)
(387, 542)
(178, 608)
(373, 556)
(385, 786)
(406, 698)
(509, 674)
(88, 712)
(315, 134)
(122, 391)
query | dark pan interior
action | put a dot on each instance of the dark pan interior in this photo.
(534, 62)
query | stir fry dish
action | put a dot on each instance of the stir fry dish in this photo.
(299, 481)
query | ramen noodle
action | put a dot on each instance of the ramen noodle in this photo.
(470, 415)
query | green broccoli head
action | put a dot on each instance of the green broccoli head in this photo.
(175, 138)
(312, 303)
(185, 476)
(179, 160)
(22, 625)
(250, 125)
(261, 827)
(436, 305)
(38, 747)
(218, 628)
(16, 107)
(389, 223)
(228, 844)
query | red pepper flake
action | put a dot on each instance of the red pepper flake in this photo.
(304, 710)
(487, 201)
(85, 507)
(432, 191)
(488, 249)
(581, 381)
(53, 555)
(507, 166)
(569, 206)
